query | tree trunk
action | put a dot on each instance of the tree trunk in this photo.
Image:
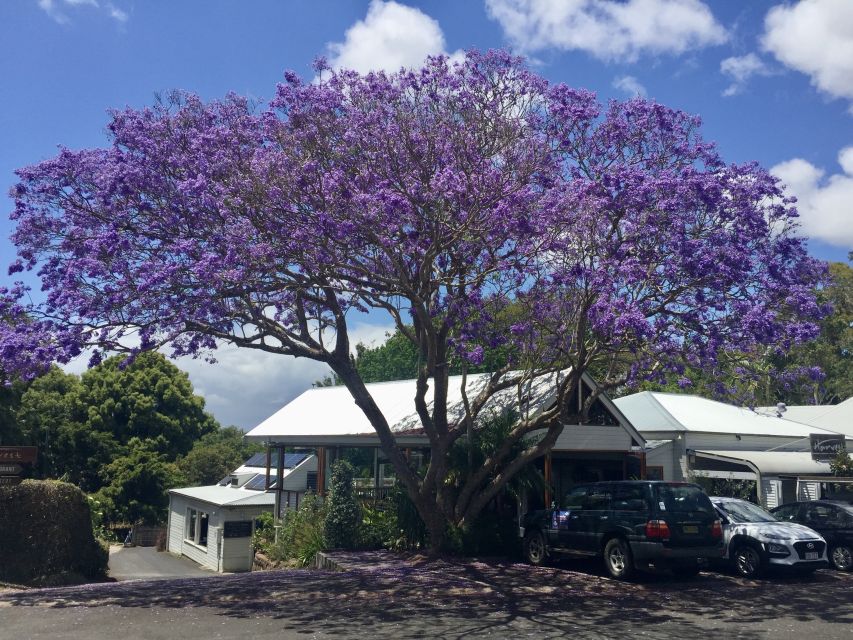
(436, 525)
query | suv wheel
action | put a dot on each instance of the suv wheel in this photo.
(618, 559)
(747, 561)
(841, 557)
(535, 550)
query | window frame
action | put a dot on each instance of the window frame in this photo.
(193, 527)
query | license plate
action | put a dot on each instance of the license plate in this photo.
(811, 555)
(691, 528)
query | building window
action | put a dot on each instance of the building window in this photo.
(196, 527)
(654, 473)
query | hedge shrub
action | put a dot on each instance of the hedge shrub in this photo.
(46, 535)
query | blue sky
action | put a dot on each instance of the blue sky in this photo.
(773, 82)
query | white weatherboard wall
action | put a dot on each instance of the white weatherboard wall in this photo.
(220, 554)
(593, 438)
(662, 456)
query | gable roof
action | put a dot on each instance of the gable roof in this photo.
(651, 411)
(331, 411)
(327, 412)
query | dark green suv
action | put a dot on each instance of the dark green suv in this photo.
(632, 524)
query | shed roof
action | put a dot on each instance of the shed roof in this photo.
(227, 496)
(651, 411)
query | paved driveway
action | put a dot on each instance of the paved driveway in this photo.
(146, 563)
(383, 598)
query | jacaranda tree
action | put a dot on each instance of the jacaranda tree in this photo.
(475, 204)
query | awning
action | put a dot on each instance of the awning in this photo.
(765, 463)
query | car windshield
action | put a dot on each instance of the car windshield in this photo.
(739, 511)
(683, 498)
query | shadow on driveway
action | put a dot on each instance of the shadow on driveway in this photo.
(146, 563)
(384, 597)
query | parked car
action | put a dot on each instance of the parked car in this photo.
(756, 540)
(632, 524)
(830, 518)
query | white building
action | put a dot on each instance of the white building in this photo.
(327, 420)
(692, 436)
(213, 525)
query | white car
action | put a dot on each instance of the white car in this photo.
(755, 540)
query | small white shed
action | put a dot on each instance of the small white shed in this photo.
(213, 525)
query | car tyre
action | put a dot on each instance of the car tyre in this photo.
(535, 549)
(748, 561)
(618, 559)
(841, 557)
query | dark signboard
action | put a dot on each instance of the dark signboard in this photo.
(826, 447)
(7, 481)
(18, 455)
(238, 529)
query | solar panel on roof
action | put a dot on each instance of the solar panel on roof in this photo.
(258, 483)
(225, 481)
(293, 459)
(257, 460)
(290, 460)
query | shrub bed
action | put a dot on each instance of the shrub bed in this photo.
(46, 535)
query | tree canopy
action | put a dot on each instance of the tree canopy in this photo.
(128, 431)
(440, 197)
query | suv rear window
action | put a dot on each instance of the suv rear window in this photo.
(683, 498)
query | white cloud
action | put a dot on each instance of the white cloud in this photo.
(391, 36)
(246, 386)
(814, 37)
(608, 29)
(824, 203)
(116, 13)
(740, 69)
(53, 9)
(630, 85)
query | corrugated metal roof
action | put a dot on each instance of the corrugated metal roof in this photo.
(653, 411)
(226, 496)
(331, 411)
(834, 417)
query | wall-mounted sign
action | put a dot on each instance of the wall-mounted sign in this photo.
(237, 529)
(826, 447)
(19, 455)
(9, 481)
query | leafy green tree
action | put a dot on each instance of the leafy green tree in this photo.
(150, 399)
(842, 464)
(48, 416)
(215, 455)
(137, 485)
(832, 351)
(81, 425)
(10, 400)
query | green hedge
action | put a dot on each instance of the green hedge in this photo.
(46, 535)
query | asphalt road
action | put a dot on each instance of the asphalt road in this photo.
(381, 598)
(146, 563)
